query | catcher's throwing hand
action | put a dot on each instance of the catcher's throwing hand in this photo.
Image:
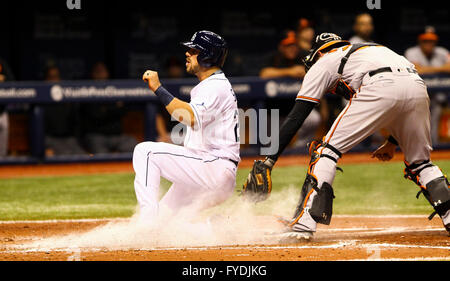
(385, 152)
(258, 185)
(151, 77)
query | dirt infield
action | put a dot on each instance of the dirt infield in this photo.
(347, 238)
(14, 171)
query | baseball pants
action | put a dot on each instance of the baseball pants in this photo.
(199, 180)
(398, 102)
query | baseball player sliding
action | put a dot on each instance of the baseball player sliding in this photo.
(203, 171)
(384, 91)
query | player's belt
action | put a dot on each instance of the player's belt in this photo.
(389, 69)
(232, 161)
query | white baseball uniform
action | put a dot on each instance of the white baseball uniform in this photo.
(397, 101)
(203, 171)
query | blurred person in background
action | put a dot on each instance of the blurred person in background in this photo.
(99, 71)
(431, 59)
(363, 29)
(102, 123)
(286, 62)
(330, 106)
(427, 56)
(305, 36)
(163, 122)
(5, 75)
(174, 68)
(61, 123)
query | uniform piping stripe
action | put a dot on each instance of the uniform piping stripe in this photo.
(180, 155)
(173, 154)
(308, 98)
(304, 206)
(185, 156)
(207, 161)
(146, 171)
(146, 168)
(339, 120)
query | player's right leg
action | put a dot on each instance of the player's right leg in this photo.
(195, 175)
(146, 185)
(186, 202)
(412, 131)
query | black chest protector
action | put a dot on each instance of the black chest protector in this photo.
(342, 88)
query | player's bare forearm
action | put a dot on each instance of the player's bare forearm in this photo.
(273, 72)
(296, 71)
(181, 111)
(433, 69)
(445, 68)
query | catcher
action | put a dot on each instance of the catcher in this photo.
(384, 91)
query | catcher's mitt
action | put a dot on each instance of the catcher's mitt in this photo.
(258, 185)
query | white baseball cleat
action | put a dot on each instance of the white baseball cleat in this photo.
(293, 234)
(296, 236)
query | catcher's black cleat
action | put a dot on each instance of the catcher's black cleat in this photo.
(447, 227)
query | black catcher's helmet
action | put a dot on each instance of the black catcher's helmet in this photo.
(323, 43)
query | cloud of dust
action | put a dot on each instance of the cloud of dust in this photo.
(234, 222)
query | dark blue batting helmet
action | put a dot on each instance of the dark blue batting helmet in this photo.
(213, 48)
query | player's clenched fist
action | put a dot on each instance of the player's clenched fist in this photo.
(151, 77)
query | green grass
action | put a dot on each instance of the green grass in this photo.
(89, 196)
(361, 189)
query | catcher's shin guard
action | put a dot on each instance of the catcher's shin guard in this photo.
(437, 191)
(321, 208)
(322, 205)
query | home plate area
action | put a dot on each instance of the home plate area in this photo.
(347, 238)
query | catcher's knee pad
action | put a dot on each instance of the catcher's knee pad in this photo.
(412, 171)
(321, 208)
(328, 151)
